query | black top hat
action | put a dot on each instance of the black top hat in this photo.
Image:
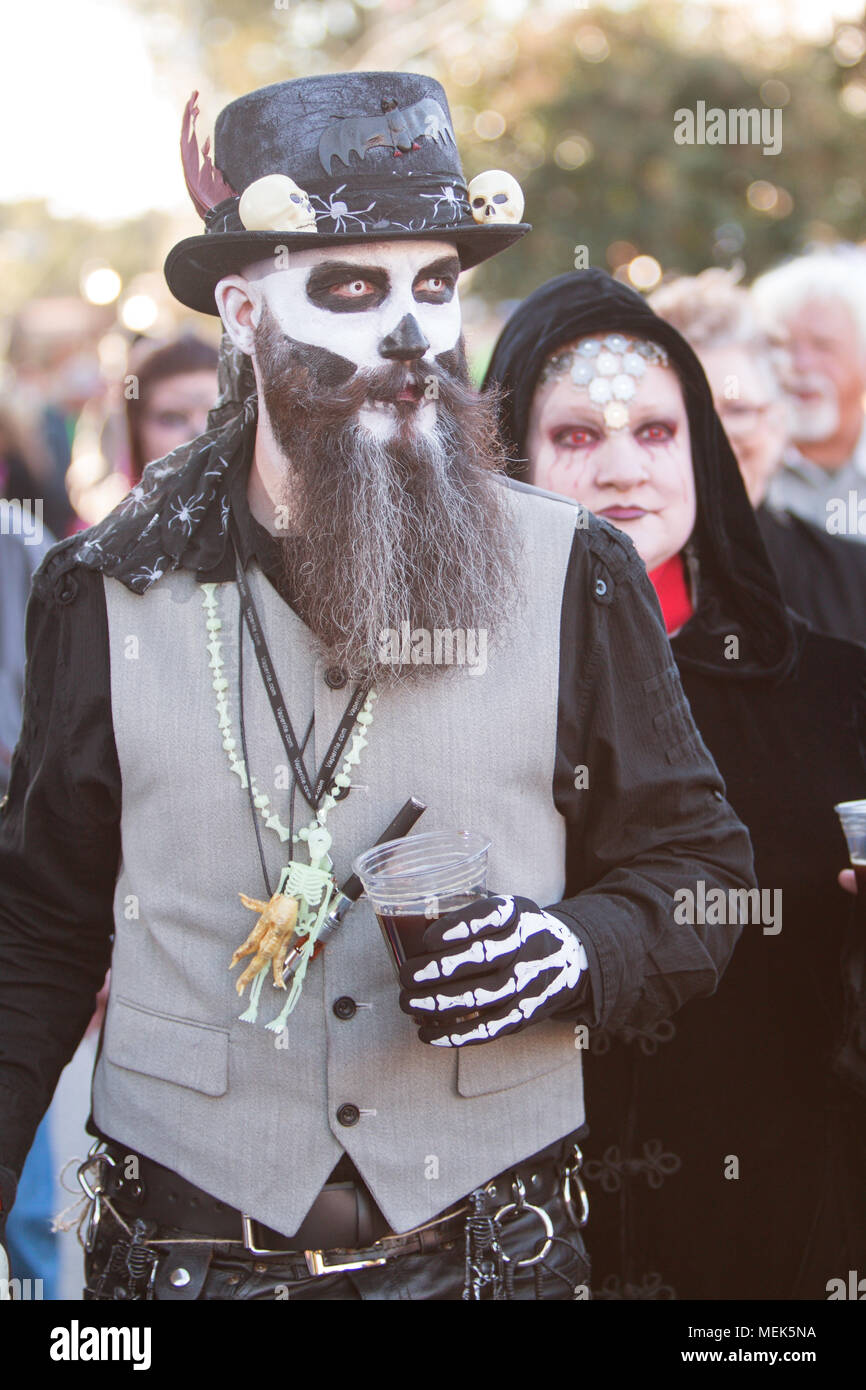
(360, 156)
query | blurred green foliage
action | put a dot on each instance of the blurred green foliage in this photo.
(581, 103)
(41, 255)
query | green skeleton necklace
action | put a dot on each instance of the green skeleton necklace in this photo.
(297, 910)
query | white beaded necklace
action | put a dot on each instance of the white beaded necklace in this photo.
(309, 886)
(261, 800)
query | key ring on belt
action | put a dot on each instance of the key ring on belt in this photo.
(519, 1205)
(96, 1155)
(571, 1175)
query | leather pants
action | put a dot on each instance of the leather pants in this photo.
(212, 1271)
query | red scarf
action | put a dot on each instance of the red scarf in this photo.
(669, 582)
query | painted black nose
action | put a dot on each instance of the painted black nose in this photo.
(407, 343)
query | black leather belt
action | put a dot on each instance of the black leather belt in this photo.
(344, 1213)
(343, 1229)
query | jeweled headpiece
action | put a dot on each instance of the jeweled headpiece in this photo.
(609, 368)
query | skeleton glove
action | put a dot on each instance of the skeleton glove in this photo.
(504, 961)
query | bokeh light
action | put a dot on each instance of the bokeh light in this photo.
(644, 272)
(489, 125)
(112, 350)
(139, 313)
(572, 152)
(852, 98)
(849, 46)
(762, 195)
(465, 71)
(591, 43)
(620, 253)
(775, 93)
(100, 284)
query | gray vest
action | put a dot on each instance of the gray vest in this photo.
(250, 1116)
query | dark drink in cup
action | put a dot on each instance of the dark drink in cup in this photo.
(411, 882)
(404, 932)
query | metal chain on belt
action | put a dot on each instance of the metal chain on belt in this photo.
(485, 1264)
(488, 1268)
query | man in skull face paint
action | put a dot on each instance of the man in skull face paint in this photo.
(349, 485)
(366, 416)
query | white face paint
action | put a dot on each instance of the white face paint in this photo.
(351, 299)
(348, 299)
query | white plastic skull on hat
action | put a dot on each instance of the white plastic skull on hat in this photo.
(275, 203)
(496, 196)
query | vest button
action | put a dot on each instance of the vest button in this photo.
(335, 678)
(345, 1007)
(348, 1114)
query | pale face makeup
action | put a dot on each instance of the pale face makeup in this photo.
(350, 300)
(639, 477)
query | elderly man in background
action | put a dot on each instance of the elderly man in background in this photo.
(817, 304)
(822, 576)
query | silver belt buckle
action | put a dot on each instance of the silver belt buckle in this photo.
(315, 1259)
(316, 1263)
(249, 1241)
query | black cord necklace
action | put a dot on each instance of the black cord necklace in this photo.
(313, 793)
(242, 721)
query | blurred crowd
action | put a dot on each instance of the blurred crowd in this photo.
(72, 443)
(786, 363)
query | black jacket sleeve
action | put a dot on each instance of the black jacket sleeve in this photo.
(644, 801)
(59, 851)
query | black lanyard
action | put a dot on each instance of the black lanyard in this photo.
(312, 793)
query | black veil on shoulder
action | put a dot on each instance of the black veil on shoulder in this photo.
(738, 593)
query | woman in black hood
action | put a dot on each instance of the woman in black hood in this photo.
(727, 1157)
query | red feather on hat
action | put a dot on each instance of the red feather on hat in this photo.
(205, 184)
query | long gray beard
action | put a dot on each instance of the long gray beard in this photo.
(409, 534)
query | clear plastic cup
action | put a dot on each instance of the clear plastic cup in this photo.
(411, 882)
(852, 815)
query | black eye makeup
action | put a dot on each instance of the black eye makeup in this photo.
(435, 283)
(345, 288)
